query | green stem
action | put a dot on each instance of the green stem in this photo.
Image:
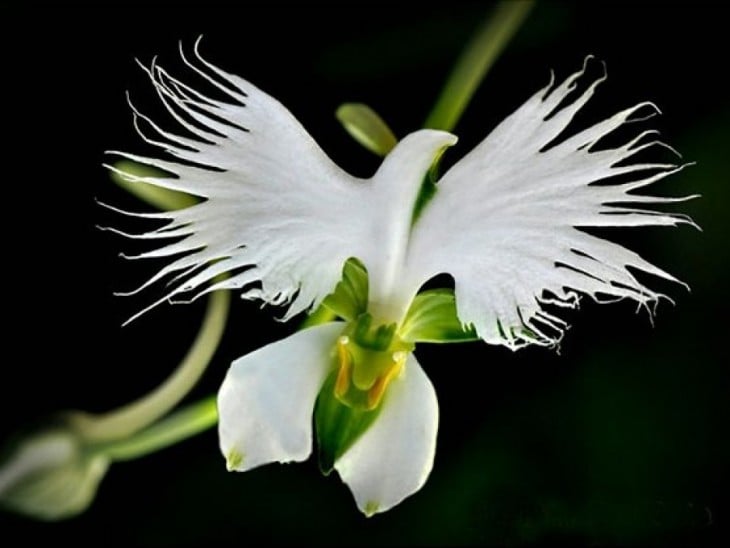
(135, 416)
(475, 62)
(177, 427)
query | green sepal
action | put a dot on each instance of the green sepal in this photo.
(338, 425)
(350, 298)
(432, 318)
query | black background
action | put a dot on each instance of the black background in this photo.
(619, 439)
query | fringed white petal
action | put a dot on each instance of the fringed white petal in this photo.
(276, 212)
(394, 457)
(506, 219)
(266, 401)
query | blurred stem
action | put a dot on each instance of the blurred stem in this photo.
(180, 425)
(139, 414)
(161, 198)
(476, 60)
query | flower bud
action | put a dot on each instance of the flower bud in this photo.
(51, 475)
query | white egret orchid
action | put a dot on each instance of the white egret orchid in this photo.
(284, 223)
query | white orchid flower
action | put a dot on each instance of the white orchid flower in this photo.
(283, 221)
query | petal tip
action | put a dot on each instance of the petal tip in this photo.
(371, 508)
(234, 460)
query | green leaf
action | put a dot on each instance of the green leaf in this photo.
(350, 297)
(338, 425)
(366, 127)
(432, 318)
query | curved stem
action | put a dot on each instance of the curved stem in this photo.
(475, 62)
(177, 427)
(133, 417)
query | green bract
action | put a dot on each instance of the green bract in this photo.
(432, 318)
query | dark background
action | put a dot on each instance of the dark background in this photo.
(619, 439)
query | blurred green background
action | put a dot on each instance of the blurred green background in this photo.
(621, 438)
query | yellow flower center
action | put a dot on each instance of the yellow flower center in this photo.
(367, 364)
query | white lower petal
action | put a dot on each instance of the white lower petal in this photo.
(266, 401)
(393, 458)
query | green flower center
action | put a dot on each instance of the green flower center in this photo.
(369, 358)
